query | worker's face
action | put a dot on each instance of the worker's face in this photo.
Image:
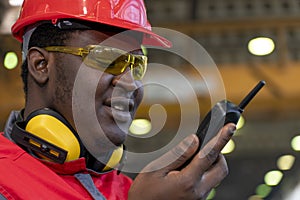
(99, 105)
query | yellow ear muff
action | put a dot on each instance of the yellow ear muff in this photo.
(50, 136)
(51, 129)
(115, 159)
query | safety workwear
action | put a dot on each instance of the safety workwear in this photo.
(127, 14)
(25, 177)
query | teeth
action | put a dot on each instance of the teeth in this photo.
(119, 107)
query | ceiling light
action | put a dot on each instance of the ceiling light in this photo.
(263, 190)
(9, 17)
(255, 197)
(273, 178)
(140, 127)
(212, 194)
(261, 46)
(15, 2)
(296, 143)
(240, 123)
(10, 60)
(229, 147)
(285, 162)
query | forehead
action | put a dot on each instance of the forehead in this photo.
(126, 40)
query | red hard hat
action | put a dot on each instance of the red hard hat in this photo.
(128, 14)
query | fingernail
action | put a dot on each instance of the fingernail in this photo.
(231, 129)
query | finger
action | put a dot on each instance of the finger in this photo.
(208, 155)
(214, 176)
(176, 157)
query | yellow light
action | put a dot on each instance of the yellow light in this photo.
(273, 178)
(140, 127)
(10, 60)
(212, 194)
(255, 197)
(263, 190)
(285, 162)
(229, 147)
(296, 143)
(261, 46)
(240, 123)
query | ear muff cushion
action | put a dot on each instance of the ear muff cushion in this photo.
(52, 129)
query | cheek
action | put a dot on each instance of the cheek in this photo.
(89, 87)
(62, 84)
(89, 91)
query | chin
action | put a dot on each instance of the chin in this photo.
(117, 134)
(118, 138)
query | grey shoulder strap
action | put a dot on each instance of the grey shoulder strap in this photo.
(87, 182)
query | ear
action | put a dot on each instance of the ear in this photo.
(38, 68)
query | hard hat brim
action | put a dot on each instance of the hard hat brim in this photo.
(150, 38)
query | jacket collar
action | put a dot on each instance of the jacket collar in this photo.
(13, 117)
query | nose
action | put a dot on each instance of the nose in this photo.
(126, 81)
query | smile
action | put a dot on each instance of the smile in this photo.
(121, 108)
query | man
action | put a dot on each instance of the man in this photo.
(82, 76)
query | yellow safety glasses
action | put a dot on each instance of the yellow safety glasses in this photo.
(108, 59)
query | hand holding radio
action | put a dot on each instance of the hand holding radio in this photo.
(222, 113)
(195, 181)
(199, 166)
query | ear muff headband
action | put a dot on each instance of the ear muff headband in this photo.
(114, 159)
(54, 131)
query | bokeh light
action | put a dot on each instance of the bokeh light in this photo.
(240, 123)
(296, 143)
(286, 162)
(273, 178)
(261, 46)
(211, 195)
(15, 2)
(140, 127)
(10, 60)
(263, 190)
(229, 147)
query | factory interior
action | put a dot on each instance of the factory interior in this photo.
(221, 50)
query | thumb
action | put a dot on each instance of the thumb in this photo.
(176, 157)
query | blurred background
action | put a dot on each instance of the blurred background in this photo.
(248, 41)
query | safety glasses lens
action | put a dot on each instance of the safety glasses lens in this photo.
(115, 61)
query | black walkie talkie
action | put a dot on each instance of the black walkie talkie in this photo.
(222, 113)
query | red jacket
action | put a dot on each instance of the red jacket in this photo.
(24, 177)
